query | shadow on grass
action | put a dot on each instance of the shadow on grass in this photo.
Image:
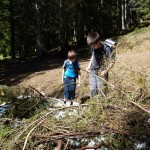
(12, 72)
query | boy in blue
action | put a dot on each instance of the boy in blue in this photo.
(71, 71)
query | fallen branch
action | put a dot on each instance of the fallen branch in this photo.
(148, 111)
(37, 91)
(46, 96)
(66, 145)
(76, 135)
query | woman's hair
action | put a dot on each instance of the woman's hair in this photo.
(93, 38)
(72, 55)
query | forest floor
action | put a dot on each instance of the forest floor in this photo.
(133, 53)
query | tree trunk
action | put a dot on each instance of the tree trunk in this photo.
(123, 14)
(62, 39)
(12, 38)
(80, 28)
(127, 15)
(119, 16)
(39, 49)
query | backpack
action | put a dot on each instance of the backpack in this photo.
(72, 67)
(109, 43)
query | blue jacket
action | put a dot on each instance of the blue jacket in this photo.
(71, 68)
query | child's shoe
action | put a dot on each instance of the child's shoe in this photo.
(71, 103)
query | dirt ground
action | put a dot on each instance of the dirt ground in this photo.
(44, 75)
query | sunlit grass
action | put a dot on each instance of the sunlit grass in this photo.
(2, 58)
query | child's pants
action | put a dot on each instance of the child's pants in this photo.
(69, 88)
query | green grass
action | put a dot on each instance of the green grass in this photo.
(4, 131)
(140, 30)
(2, 58)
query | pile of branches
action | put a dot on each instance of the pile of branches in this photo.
(117, 120)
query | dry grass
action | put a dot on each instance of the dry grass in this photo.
(132, 68)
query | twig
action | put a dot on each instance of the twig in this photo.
(37, 91)
(148, 111)
(66, 145)
(46, 96)
(46, 127)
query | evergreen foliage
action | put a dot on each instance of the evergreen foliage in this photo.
(34, 27)
(144, 8)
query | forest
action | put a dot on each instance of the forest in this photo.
(36, 27)
(35, 37)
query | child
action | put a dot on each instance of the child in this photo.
(100, 63)
(71, 71)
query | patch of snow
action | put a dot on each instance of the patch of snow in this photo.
(61, 114)
(61, 104)
(23, 97)
(91, 143)
(43, 93)
(139, 146)
(2, 110)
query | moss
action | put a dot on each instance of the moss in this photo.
(4, 130)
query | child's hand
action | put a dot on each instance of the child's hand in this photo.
(103, 73)
(78, 84)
